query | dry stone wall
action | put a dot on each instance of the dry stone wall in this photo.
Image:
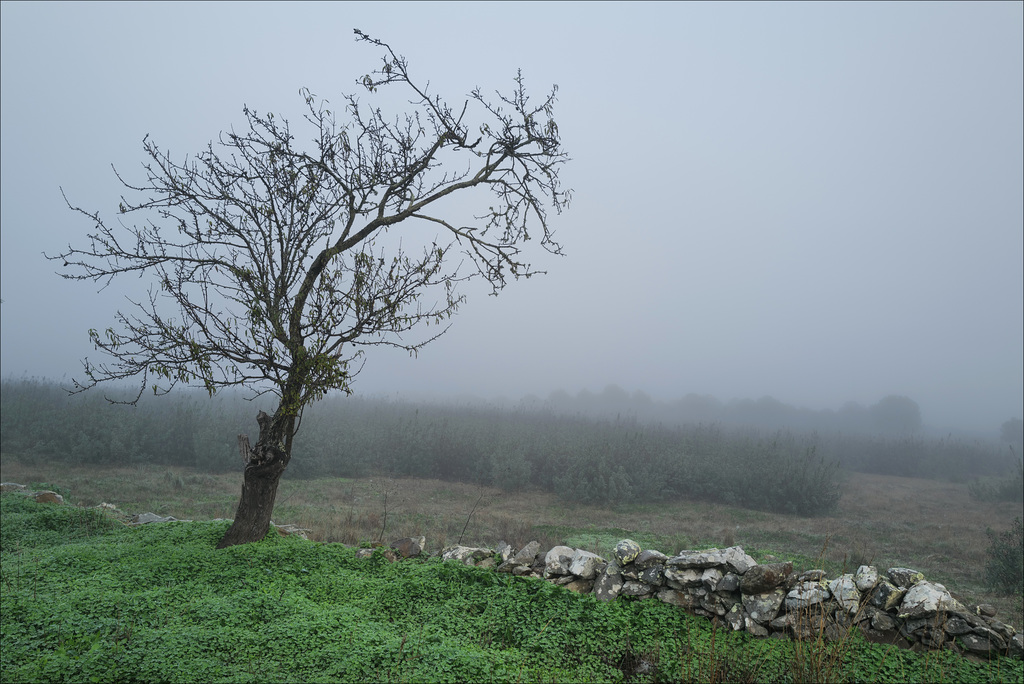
(897, 606)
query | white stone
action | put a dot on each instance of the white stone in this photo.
(925, 598)
(686, 577)
(844, 590)
(557, 561)
(584, 564)
(710, 578)
(806, 594)
(866, 577)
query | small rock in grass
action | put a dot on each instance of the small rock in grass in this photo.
(48, 497)
(409, 546)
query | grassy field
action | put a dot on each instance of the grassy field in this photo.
(934, 527)
(86, 598)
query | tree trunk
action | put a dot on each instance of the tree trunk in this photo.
(264, 465)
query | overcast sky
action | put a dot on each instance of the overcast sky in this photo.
(817, 202)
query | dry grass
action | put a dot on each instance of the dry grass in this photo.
(934, 527)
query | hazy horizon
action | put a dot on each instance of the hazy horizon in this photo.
(611, 402)
(820, 203)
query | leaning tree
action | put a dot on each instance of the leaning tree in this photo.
(273, 263)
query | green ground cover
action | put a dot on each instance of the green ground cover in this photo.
(85, 598)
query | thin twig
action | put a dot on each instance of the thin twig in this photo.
(470, 517)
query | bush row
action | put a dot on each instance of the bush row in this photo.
(585, 459)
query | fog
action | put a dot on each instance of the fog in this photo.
(820, 203)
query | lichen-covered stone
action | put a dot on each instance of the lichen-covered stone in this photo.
(580, 586)
(983, 645)
(763, 608)
(695, 559)
(864, 614)
(654, 575)
(755, 629)
(685, 577)
(608, 583)
(985, 610)
(504, 550)
(844, 591)
(677, 598)
(649, 558)
(558, 560)
(467, 555)
(955, 626)
(730, 582)
(814, 625)
(763, 578)
(815, 575)
(507, 566)
(807, 594)
(866, 578)
(911, 628)
(886, 595)
(968, 617)
(1015, 647)
(842, 618)
(527, 553)
(883, 622)
(733, 558)
(932, 638)
(904, 578)
(715, 604)
(634, 588)
(710, 578)
(626, 551)
(585, 564)
(736, 618)
(1003, 630)
(924, 599)
(737, 560)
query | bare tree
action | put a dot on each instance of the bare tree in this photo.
(274, 264)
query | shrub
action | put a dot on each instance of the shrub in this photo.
(1006, 558)
(1004, 489)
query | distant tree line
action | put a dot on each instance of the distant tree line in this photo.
(893, 415)
(580, 458)
(38, 418)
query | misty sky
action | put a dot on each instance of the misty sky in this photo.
(817, 202)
